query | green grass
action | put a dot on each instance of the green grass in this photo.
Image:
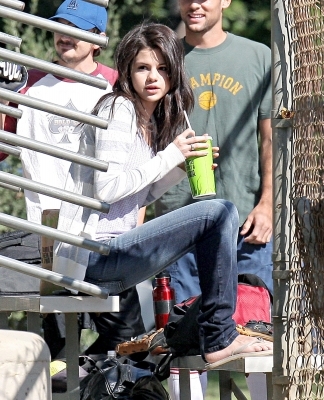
(213, 385)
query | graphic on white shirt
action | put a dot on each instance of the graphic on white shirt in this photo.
(66, 129)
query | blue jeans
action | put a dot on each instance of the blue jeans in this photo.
(208, 227)
(251, 259)
(255, 259)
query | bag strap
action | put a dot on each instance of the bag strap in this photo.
(251, 279)
(162, 370)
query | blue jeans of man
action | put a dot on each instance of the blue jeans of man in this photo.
(251, 259)
(208, 227)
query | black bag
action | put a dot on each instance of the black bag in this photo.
(182, 330)
(181, 334)
(25, 247)
(149, 388)
(122, 379)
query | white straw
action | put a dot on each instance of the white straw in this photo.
(187, 119)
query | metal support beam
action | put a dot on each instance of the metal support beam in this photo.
(15, 4)
(21, 224)
(12, 111)
(54, 151)
(10, 40)
(281, 135)
(51, 191)
(53, 26)
(53, 69)
(53, 108)
(53, 277)
(12, 150)
(10, 187)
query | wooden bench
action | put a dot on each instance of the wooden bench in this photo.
(227, 385)
(70, 306)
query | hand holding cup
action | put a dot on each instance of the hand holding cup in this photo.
(200, 168)
(199, 154)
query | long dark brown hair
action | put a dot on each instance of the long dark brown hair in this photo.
(168, 113)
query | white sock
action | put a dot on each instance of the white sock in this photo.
(198, 384)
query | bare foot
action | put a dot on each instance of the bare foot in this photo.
(246, 343)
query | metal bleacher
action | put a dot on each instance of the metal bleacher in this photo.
(94, 298)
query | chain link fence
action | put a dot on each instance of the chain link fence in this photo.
(304, 20)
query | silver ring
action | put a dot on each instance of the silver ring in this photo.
(191, 147)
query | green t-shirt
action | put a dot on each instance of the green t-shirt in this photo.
(231, 84)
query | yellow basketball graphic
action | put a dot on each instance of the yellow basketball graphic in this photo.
(207, 100)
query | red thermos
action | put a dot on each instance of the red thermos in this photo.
(163, 299)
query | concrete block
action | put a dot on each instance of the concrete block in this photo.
(24, 366)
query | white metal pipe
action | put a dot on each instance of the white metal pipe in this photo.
(54, 151)
(53, 108)
(22, 224)
(53, 26)
(10, 187)
(15, 4)
(12, 111)
(54, 277)
(53, 69)
(283, 353)
(51, 191)
(9, 39)
(8, 149)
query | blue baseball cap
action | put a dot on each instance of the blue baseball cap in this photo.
(83, 15)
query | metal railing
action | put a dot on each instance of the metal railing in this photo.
(53, 277)
(53, 26)
(12, 111)
(15, 4)
(10, 141)
(52, 68)
(54, 151)
(21, 224)
(54, 192)
(52, 108)
(9, 39)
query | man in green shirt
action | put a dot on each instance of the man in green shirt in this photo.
(230, 77)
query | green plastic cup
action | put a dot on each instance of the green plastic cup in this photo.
(201, 175)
